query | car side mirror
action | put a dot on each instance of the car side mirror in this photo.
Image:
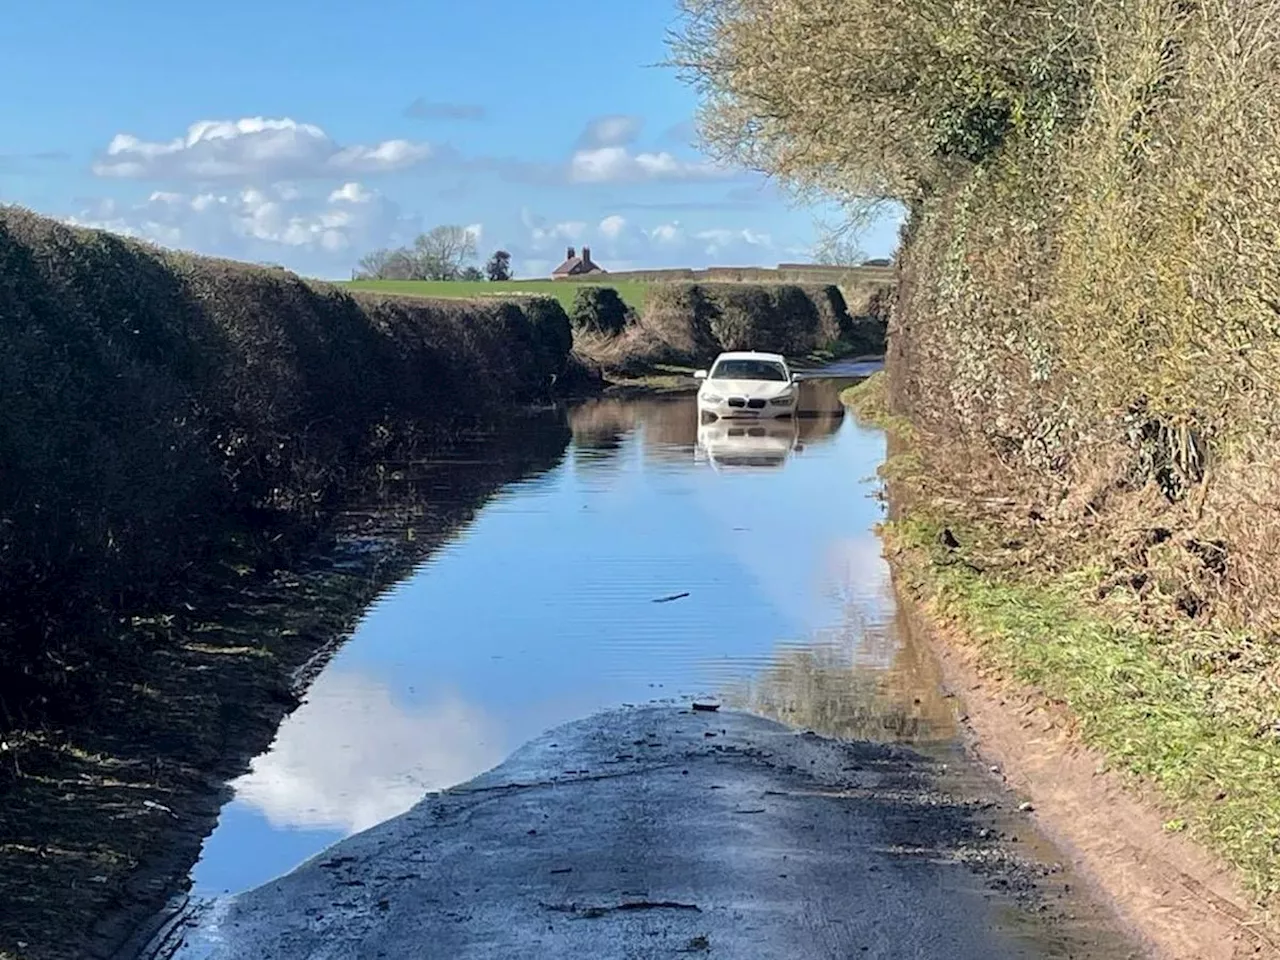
(699, 374)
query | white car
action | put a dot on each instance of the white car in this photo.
(747, 386)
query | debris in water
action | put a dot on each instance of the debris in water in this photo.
(563, 870)
(674, 596)
(337, 862)
(698, 944)
(592, 911)
(657, 905)
(707, 707)
(1025, 807)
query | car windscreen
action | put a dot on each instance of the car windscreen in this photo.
(748, 370)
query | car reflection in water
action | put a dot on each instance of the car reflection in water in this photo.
(734, 445)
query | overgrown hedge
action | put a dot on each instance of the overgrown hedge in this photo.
(153, 404)
(691, 323)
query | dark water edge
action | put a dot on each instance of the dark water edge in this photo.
(100, 820)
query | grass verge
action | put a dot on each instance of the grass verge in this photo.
(1155, 699)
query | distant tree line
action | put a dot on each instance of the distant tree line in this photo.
(442, 253)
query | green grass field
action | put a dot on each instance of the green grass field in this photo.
(632, 292)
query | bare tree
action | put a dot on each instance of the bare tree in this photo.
(440, 254)
(402, 265)
(443, 252)
(373, 266)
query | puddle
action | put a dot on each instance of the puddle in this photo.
(758, 542)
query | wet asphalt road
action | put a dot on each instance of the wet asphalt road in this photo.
(661, 832)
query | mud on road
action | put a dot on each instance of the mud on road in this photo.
(662, 832)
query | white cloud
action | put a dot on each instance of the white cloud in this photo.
(668, 233)
(719, 239)
(278, 223)
(569, 230)
(611, 227)
(477, 232)
(616, 164)
(252, 148)
(348, 192)
(610, 131)
(351, 756)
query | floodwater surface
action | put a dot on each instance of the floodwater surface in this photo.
(660, 560)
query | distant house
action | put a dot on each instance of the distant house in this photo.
(577, 266)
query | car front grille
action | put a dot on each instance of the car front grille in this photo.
(756, 404)
(737, 402)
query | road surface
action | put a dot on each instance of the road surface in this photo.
(667, 832)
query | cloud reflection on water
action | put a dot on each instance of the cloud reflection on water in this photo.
(352, 756)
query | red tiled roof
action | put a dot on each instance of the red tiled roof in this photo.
(576, 265)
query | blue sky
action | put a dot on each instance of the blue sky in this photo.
(310, 133)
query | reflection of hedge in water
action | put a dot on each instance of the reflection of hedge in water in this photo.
(158, 407)
(821, 411)
(886, 691)
(215, 670)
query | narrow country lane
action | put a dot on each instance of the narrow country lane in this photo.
(503, 761)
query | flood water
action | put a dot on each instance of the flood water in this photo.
(658, 560)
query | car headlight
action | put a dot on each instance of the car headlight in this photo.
(712, 397)
(786, 400)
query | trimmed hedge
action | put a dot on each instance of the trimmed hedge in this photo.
(599, 310)
(691, 323)
(149, 400)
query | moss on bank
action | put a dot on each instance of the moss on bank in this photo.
(1170, 704)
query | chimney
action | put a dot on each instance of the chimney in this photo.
(569, 254)
(586, 254)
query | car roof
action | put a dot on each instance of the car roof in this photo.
(750, 355)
